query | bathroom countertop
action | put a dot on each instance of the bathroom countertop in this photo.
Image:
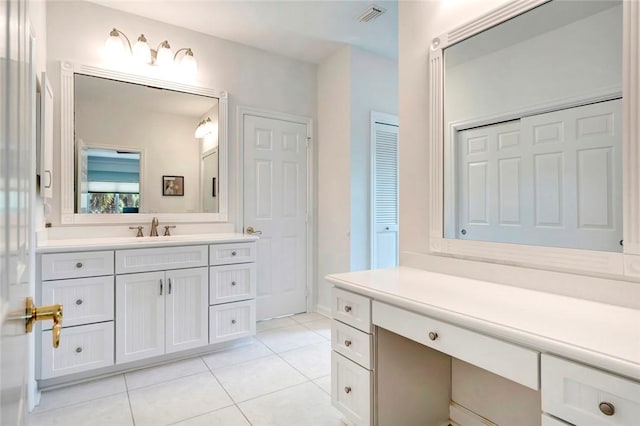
(110, 243)
(605, 336)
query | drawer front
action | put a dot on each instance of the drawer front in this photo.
(575, 393)
(84, 300)
(352, 309)
(76, 265)
(513, 362)
(552, 421)
(232, 321)
(162, 258)
(352, 343)
(351, 389)
(223, 254)
(81, 348)
(231, 283)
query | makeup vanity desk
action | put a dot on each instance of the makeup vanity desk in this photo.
(580, 358)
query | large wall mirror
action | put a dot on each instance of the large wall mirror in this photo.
(140, 147)
(529, 136)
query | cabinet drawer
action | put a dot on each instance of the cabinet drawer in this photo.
(76, 265)
(351, 389)
(231, 321)
(513, 362)
(352, 309)
(223, 254)
(158, 259)
(575, 392)
(231, 283)
(352, 343)
(81, 348)
(552, 421)
(84, 300)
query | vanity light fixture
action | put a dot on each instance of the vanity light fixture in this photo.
(204, 128)
(116, 51)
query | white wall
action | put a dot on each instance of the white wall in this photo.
(77, 32)
(351, 83)
(420, 22)
(165, 140)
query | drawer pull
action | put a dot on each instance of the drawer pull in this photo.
(233, 253)
(78, 349)
(79, 265)
(347, 389)
(607, 408)
(347, 343)
(347, 308)
(79, 302)
(233, 283)
(233, 321)
(433, 335)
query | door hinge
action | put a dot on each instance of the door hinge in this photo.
(308, 141)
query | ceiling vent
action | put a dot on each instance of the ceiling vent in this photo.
(371, 13)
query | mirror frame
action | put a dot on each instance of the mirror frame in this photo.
(600, 263)
(68, 216)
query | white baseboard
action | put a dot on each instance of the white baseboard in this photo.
(324, 310)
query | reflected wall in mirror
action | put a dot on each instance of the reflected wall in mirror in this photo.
(532, 129)
(127, 136)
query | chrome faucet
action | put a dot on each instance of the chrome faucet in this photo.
(154, 227)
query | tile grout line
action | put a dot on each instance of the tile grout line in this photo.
(126, 385)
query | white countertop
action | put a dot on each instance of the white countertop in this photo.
(602, 335)
(107, 243)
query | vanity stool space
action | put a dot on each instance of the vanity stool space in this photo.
(416, 347)
(125, 307)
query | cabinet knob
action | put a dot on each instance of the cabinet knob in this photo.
(347, 343)
(233, 321)
(347, 308)
(79, 265)
(433, 335)
(79, 302)
(607, 408)
(347, 389)
(233, 253)
(78, 349)
(233, 283)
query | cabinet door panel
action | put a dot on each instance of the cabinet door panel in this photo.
(186, 309)
(139, 316)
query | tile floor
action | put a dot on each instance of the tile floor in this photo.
(282, 377)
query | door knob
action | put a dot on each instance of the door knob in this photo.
(31, 314)
(252, 231)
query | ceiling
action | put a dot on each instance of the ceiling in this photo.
(308, 30)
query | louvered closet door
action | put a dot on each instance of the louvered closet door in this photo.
(384, 250)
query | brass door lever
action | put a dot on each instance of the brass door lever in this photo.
(32, 314)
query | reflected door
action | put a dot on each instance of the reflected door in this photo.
(275, 203)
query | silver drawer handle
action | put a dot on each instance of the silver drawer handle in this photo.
(233, 253)
(233, 321)
(433, 335)
(233, 283)
(347, 389)
(78, 349)
(607, 408)
(347, 308)
(79, 265)
(347, 343)
(79, 302)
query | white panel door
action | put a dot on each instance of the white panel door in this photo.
(551, 179)
(275, 203)
(384, 196)
(139, 316)
(187, 309)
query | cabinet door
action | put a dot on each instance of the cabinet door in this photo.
(139, 316)
(186, 309)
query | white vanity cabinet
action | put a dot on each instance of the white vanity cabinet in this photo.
(351, 363)
(162, 311)
(83, 283)
(232, 290)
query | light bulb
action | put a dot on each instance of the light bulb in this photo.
(164, 57)
(141, 50)
(114, 49)
(188, 66)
